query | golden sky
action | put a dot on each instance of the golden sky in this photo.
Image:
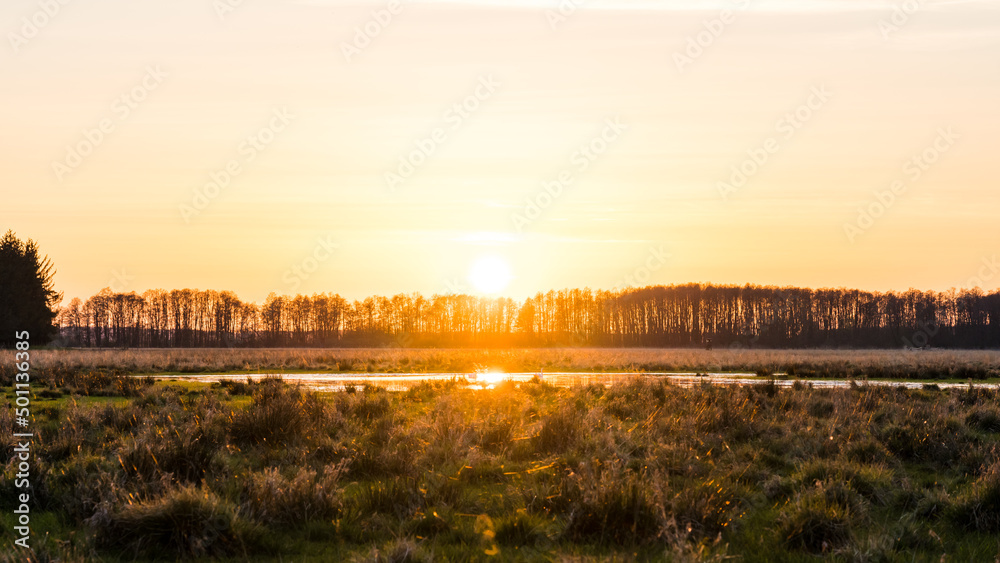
(387, 147)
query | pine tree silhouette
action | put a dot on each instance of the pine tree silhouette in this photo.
(27, 297)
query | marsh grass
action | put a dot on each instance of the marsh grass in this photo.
(978, 507)
(643, 470)
(184, 522)
(283, 501)
(817, 521)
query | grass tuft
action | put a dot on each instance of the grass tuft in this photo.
(185, 522)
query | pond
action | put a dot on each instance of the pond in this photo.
(329, 382)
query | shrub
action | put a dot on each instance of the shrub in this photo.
(113, 383)
(523, 529)
(49, 549)
(703, 508)
(984, 419)
(867, 451)
(438, 489)
(872, 482)
(931, 504)
(7, 442)
(821, 408)
(815, 524)
(235, 387)
(397, 496)
(278, 415)
(428, 524)
(183, 448)
(558, 432)
(625, 401)
(183, 523)
(371, 404)
(614, 507)
(979, 508)
(777, 487)
(82, 483)
(387, 448)
(400, 551)
(495, 432)
(934, 440)
(120, 418)
(274, 500)
(976, 395)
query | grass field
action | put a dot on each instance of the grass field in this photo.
(138, 470)
(934, 364)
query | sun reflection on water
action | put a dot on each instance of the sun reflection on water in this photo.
(490, 377)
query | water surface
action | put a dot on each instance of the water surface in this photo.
(329, 382)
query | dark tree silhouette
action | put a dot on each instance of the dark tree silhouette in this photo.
(27, 297)
(687, 315)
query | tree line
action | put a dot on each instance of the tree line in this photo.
(690, 315)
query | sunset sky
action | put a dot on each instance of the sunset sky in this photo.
(307, 117)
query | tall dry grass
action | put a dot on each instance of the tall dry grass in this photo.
(640, 470)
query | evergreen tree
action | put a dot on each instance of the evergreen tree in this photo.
(27, 297)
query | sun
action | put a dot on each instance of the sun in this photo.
(490, 274)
